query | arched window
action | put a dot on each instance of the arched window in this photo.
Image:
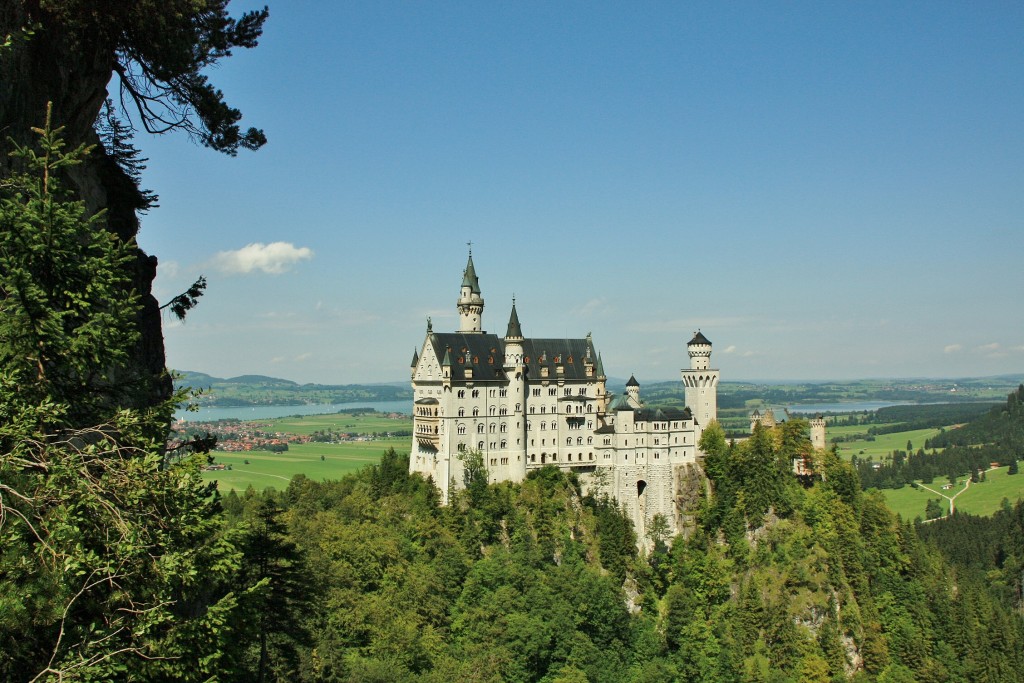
(518, 406)
(504, 427)
(462, 393)
(590, 440)
(504, 444)
(480, 428)
(494, 410)
(568, 441)
(579, 440)
(462, 412)
(480, 445)
(462, 429)
(493, 428)
(476, 411)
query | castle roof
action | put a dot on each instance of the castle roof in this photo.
(484, 355)
(663, 414)
(514, 330)
(632, 382)
(415, 358)
(469, 278)
(699, 338)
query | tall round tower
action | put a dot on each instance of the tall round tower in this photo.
(700, 382)
(515, 371)
(470, 303)
(818, 432)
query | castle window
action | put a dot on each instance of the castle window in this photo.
(590, 440)
(532, 409)
(493, 410)
(568, 441)
(536, 392)
(504, 443)
(493, 427)
(503, 411)
(492, 393)
(503, 393)
(583, 391)
(480, 428)
(552, 392)
(504, 427)
(462, 429)
(543, 425)
(476, 393)
(480, 445)
(590, 408)
(568, 409)
(591, 456)
(533, 458)
(519, 407)
(567, 391)
(462, 412)
(462, 448)
(476, 411)
(543, 410)
(579, 440)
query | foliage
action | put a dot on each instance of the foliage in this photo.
(66, 310)
(111, 562)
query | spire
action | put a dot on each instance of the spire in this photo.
(415, 357)
(469, 278)
(470, 303)
(600, 366)
(514, 330)
(447, 357)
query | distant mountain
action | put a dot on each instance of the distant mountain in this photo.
(255, 390)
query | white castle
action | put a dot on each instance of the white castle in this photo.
(524, 403)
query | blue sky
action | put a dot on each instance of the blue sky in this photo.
(827, 190)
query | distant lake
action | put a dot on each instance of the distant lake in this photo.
(212, 414)
(849, 407)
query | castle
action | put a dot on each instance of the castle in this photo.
(523, 403)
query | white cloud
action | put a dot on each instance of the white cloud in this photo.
(952, 348)
(274, 258)
(994, 346)
(593, 307)
(729, 349)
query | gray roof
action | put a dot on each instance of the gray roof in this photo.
(632, 382)
(485, 354)
(699, 338)
(514, 329)
(469, 278)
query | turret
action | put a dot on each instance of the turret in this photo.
(470, 303)
(700, 382)
(633, 392)
(818, 432)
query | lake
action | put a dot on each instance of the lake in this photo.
(214, 413)
(849, 407)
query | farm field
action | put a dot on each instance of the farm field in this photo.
(983, 498)
(266, 469)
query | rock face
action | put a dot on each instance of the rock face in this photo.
(72, 73)
(690, 485)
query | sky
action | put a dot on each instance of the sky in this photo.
(826, 190)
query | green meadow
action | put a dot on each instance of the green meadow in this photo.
(881, 446)
(275, 470)
(982, 499)
(356, 423)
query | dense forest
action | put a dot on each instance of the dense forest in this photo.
(777, 581)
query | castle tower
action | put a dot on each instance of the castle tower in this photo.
(633, 392)
(700, 382)
(515, 371)
(470, 303)
(818, 432)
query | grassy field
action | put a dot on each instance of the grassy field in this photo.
(982, 498)
(883, 444)
(275, 470)
(358, 423)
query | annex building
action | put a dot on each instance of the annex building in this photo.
(526, 402)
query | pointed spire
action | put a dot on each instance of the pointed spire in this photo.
(600, 365)
(415, 358)
(447, 357)
(514, 329)
(469, 278)
(632, 382)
